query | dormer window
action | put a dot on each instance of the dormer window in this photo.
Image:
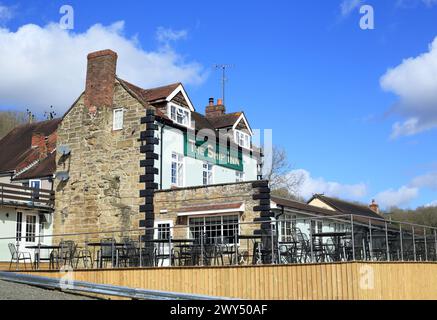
(242, 139)
(179, 114)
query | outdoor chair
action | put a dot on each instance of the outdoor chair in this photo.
(86, 256)
(129, 255)
(162, 253)
(17, 256)
(66, 254)
(285, 254)
(184, 256)
(107, 252)
(213, 254)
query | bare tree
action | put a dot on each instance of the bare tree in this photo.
(282, 181)
(9, 120)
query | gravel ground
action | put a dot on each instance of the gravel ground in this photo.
(18, 291)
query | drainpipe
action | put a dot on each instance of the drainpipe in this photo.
(160, 156)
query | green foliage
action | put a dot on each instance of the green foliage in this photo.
(9, 120)
(286, 194)
(421, 215)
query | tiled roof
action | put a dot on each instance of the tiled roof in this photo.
(347, 207)
(152, 94)
(148, 96)
(44, 168)
(224, 121)
(16, 145)
(309, 209)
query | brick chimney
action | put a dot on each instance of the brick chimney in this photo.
(215, 110)
(39, 144)
(100, 79)
(374, 207)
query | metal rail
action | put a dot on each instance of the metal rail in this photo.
(103, 289)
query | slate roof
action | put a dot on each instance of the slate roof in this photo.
(45, 168)
(16, 145)
(148, 96)
(225, 121)
(346, 207)
(310, 209)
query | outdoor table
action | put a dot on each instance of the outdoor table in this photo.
(37, 255)
(114, 245)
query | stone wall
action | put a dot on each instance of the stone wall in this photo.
(173, 201)
(104, 167)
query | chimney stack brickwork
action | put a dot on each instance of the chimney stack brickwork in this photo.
(215, 110)
(374, 207)
(100, 79)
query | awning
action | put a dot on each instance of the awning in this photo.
(211, 209)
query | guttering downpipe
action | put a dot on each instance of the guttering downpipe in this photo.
(160, 157)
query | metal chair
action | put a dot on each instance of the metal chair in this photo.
(106, 252)
(17, 256)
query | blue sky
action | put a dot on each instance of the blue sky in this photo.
(302, 68)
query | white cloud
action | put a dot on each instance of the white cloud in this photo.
(414, 81)
(397, 198)
(347, 6)
(432, 204)
(311, 185)
(43, 66)
(6, 13)
(166, 35)
(429, 3)
(428, 180)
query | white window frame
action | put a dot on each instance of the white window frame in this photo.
(115, 126)
(19, 226)
(178, 108)
(36, 228)
(160, 223)
(189, 235)
(245, 142)
(180, 179)
(209, 170)
(287, 224)
(35, 180)
(239, 176)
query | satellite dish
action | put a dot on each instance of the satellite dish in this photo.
(62, 176)
(64, 150)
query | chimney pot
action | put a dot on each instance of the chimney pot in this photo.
(219, 102)
(374, 206)
(211, 101)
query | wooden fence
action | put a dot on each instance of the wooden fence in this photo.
(333, 281)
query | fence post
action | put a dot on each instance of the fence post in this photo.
(371, 240)
(169, 246)
(414, 244)
(141, 251)
(426, 247)
(402, 242)
(273, 244)
(201, 248)
(311, 241)
(435, 245)
(353, 237)
(386, 242)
